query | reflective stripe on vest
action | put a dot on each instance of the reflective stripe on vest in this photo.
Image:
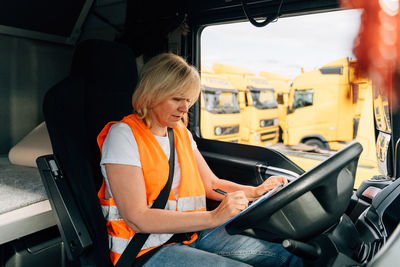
(118, 244)
(184, 204)
(155, 170)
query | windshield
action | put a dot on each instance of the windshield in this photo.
(280, 53)
(263, 98)
(218, 101)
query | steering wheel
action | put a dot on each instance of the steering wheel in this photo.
(308, 205)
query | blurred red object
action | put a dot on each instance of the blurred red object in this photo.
(377, 46)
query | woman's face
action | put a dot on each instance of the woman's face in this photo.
(169, 112)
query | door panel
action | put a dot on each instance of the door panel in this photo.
(245, 164)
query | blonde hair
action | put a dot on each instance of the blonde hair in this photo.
(161, 78)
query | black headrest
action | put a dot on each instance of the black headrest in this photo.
(109, 72)
(105, 64)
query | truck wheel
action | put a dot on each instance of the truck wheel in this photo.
(315, 142)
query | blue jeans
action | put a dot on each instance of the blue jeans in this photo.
(222, 249)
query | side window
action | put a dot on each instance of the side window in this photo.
(289, 86)
(303, 98)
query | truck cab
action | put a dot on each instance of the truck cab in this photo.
(258, 102)
(68, 67)
(320, 103)
(220, 106)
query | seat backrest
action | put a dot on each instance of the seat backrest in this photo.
(110, 75)
(98, 90)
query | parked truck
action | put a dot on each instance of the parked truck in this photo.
(363, 122)
(319, 104)
(257, 103)
(220, 117)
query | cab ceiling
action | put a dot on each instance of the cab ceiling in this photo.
(68, 21)
(214, 11)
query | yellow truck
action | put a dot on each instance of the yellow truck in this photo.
(319, 105)
(367, 165)
(361, 123)
(220, 111)
(257, 104)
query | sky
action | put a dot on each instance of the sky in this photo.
(284, 46)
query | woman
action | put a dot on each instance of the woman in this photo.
(134, 163)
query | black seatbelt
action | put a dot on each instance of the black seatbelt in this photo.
(128, 257)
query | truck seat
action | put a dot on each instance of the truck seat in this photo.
(98, 90)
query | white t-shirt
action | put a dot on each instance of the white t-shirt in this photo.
(120, 147)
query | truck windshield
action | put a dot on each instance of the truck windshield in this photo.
(263, 98)
(218, 101)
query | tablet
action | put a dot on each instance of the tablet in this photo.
(250, 207)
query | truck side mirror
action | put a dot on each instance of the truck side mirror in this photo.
(290, 109)
(279, 99)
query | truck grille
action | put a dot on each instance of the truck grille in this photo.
(268, 136)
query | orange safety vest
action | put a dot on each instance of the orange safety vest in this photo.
(155, 170)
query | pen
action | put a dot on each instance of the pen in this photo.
(222, 192)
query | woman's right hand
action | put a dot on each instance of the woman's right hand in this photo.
(232, 204)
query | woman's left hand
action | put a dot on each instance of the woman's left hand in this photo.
(269, 184)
